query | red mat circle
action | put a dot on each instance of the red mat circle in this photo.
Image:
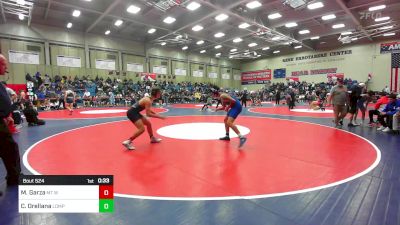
(281, 157)
(64, 114)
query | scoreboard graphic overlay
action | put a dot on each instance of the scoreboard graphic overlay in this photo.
(66, 194)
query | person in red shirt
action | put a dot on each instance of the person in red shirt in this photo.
(379, 106)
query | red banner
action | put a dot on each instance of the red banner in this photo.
(297, 79)
(148, 76)
(256, 77)
(337, 75)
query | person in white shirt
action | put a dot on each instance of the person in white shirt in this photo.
(86, 98)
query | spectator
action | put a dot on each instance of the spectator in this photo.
(379, 106)
(355, 95)
(86, 98)
(244, 98)
(339, 98)
(31, 115)
(386, 116)
(9, 151)
(386, 90)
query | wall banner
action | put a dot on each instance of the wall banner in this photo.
(256, 77)
(23, 57)
(393, 47)
(69, 61)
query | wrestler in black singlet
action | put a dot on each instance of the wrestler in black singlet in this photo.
(134, 112)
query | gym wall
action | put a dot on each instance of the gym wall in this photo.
(355, 61)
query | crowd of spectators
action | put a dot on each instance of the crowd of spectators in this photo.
(48, 93)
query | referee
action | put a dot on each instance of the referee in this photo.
(9, 152)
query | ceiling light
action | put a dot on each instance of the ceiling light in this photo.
(163, 43)
(76, 13)
(293, 24)
(304, 32)
(244, 25)
(266, 48)
(233, 50)
(315, 5)
(185, 47)
(297, 47)
(221, 17)
(389, 34)
(197, 28)
(246, 53)
(118, 23)
(386, 27)
(200, 42)
(315, 38)
(21, 2)
(203, 51)
(276, 38)
(193, 6)
(274, 16)
(133, 9)
(328, 17)
(219, 35)
(69, 25)
(230, 57)
(322, 42)
(152, 30)
(252, 45)
(379, 7)
(87, 0)
(346, 33)
(237, 40)
(337, 26)
(21, 16)
(354, 39)
(218, 54)
(382, 19)
(218, 46)
(253, 4)
(277, 51)
(169, 20)
(107, 32)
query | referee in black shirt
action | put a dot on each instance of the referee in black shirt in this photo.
(9, 152)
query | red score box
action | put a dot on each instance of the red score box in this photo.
(106, 192)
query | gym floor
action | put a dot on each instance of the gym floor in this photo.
(294, 169)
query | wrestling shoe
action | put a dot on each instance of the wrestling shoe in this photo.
(128, 145)
(387, 129)
(242, 141)
(226, 138)
(381, 128)
(155, 140)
